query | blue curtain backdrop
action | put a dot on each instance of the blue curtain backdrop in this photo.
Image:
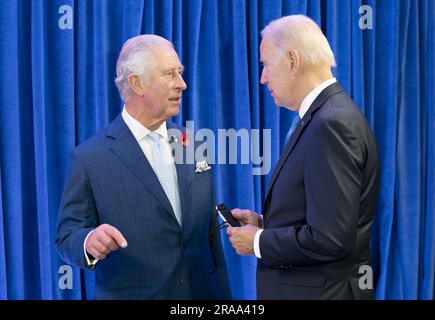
(57, 90)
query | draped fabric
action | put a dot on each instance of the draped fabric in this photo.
(57, 89)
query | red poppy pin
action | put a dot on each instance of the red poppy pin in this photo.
(184, 139)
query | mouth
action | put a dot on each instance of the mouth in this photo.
(175, 99)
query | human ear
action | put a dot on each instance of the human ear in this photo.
(294, 61)
(135, 84)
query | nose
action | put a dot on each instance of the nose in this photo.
(263, 79)
(180, 83)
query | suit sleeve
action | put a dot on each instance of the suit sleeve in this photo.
(332, 181)
(77, 215)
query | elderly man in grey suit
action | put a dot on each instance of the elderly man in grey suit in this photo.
(145, 223)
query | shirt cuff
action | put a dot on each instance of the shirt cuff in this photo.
(257, 243)
(260, 221)
(89, 262)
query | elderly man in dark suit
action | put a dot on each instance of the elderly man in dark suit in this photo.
(145, 222)
(319, 209)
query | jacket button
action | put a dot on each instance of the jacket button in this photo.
(183, 281)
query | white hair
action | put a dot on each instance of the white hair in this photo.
(137, 57)
(302, 34)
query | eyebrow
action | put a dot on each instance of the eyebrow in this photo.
(181, 68)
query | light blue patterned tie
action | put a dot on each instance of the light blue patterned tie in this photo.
(293, 127)
(164, 167)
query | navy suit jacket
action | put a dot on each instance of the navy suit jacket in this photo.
(320, 206)
(111, 181)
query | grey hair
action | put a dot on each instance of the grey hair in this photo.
(137, 57)
(302, 34)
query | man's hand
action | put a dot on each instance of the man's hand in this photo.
(103, 240)
(245, 217)
(242, 238)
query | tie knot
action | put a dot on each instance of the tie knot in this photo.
(155, 136)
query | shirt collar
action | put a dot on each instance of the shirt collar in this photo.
(139, 131)
(309, 99)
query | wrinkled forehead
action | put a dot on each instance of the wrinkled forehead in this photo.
(166, 56)
(267, 48)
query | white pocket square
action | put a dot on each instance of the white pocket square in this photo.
(202, 166)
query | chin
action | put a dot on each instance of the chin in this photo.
(174, 111)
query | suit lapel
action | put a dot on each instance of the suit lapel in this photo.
(287, 150)
(128, 150)
(320, 100)
(183, 173)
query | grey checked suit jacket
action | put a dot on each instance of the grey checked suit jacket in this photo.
(111, 181)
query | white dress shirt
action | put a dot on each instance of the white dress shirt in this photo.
(141, 135)
(305, 105)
